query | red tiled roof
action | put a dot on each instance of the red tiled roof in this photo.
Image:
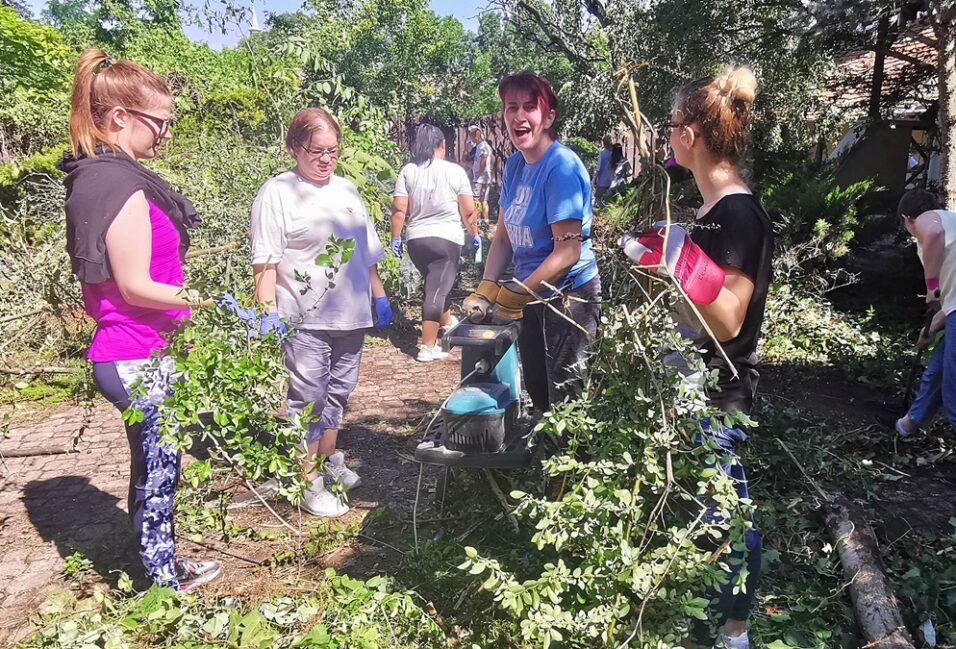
(902, 80)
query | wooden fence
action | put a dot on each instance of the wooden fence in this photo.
(456, 141)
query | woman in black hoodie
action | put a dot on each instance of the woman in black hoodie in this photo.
(127, 238)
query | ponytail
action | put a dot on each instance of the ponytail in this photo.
(100, 84)
(721, 107)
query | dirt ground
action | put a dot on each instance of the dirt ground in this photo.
(54, 505)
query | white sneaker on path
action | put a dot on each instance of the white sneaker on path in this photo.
(335, 469)
(428, 354)
(319, 501)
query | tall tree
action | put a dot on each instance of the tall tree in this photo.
(668, 42)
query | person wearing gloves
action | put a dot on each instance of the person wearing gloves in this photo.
(934, 229)
(723, 266)
(127, 237)
(544, 229)
(434, 197)
(293, 217)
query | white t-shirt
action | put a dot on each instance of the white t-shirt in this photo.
(482, 148)
(292, 219)
(433, 190)
(947, 271)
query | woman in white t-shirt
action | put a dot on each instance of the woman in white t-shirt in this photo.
(293, 217)
(435, 197)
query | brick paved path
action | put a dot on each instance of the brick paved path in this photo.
(53, 505)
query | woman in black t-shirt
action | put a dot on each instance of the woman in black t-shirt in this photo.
(724, 268)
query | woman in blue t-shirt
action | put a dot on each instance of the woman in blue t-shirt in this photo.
(544, 228)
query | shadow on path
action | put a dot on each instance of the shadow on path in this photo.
(79, 517)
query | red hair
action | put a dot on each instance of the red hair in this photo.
(528, 81)
(721, 107)
(99, 85)
(306, 122)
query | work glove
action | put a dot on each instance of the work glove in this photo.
(476, 306)
(396, 246)
(696, 273)
(272, 323)
(509, 306)
(229, 302)
(383, 312)
(475, 241)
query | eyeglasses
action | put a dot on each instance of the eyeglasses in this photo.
(164, 124)
(332, 151)
(672, 125)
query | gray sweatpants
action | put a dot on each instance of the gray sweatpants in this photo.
(323, 370)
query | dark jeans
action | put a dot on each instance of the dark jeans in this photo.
(726, 603)
(554, 352)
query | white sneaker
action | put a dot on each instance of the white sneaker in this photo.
(319, 501)
(428, 354)
(725, 641)
(335, 469)
(444, 329)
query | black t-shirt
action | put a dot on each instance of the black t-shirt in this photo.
(737, 233)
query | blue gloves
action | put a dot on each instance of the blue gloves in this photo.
(383, 312)
(270, 323)
(475, 240)
(228, 302)
(396, 246)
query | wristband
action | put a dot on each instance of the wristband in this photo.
(932, 284)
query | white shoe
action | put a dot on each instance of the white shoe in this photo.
(428, 354)
(725, 641)
(335, 469)
(319, 501)
(444, 329)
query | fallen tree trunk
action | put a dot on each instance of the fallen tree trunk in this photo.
(874, 602)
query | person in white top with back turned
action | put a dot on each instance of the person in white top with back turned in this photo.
(481, 170)
(435, 197)
(935, 231)
(293, 218)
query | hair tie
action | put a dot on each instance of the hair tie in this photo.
(108, 62)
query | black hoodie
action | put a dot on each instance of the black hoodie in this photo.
(96, 190)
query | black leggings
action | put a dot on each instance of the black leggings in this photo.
(437, 260)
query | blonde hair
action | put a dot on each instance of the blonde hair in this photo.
(721, 107)
(101, 83)
(306, 122)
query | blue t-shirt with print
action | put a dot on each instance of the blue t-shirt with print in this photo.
(533, 197)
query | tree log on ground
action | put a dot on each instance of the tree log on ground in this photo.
(874, 602)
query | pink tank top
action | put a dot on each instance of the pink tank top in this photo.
(125, 332)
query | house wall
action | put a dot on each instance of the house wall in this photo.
(881, 155)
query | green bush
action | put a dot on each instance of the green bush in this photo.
(814, 211)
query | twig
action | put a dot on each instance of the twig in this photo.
(547, 302)
(379, 542)
(202, 252)
(501, 498)
(251, 487)
(826, 497)
(36, 452)
(27, 371)
(11, 318)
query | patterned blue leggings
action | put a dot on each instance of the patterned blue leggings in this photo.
(154, 469)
